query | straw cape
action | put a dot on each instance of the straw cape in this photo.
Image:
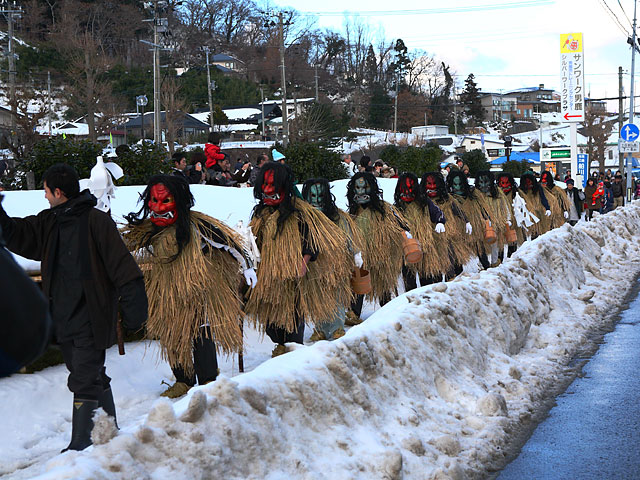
(435, 257)
(559, 204)
(459, 248)
(193, 290)
(280, 293)
(476, 210)
(500, 213)
(383, 252)
(534, 205)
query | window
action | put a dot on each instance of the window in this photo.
(610, 154)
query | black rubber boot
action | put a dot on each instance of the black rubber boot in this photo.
(82, 424)
(108, 405)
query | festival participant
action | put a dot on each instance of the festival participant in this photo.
(522, 219)
(194, 267)
(476, 209)
(557, 198)
(317, 192)
(86, 272)
(383, 229)
(499, 210)
(304, 269)
(427, 223)
(537, 204)
(458, 227)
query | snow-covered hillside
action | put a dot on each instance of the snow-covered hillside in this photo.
(433, 385)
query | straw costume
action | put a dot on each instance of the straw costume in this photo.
(498, 205)
(382, 228)
(317, 192)
(521, 220)
(537, 204)
(193, 265)
(427, 224)
(458, 227)
(304, 269)
(475, 208)
(558, 200)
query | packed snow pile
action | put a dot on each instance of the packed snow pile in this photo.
(432, 385)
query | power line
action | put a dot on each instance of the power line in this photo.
(434, 11)
(625, 14)
(615, 17)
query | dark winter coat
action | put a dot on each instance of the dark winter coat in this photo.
(108, 271)
(617, 189)
(25, 321)
(589, 190)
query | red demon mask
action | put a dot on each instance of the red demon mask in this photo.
(528, 184)
(430, 186)
(162, 206)
(544, 179)
(505, 184)
(269, 194)
(407, 190)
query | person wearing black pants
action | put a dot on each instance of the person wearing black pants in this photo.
(86, 272)
(205, 364)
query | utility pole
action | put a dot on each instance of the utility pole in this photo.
(631, 102)
(316, 75)
(395, 106)
(157, 137)
(206, 51)
(49, 99)
(620, 117)
(264, 133)
(11, 11)
(455, 110)
(285, 121)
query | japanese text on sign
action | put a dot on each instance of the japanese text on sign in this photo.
(572, 77)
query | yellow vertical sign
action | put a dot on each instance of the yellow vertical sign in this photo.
(571, 43)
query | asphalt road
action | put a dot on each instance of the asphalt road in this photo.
(594, 431)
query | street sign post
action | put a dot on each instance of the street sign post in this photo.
(583, 161)
(572, 90)
(554, 153)
(628, 147)
(630, 132)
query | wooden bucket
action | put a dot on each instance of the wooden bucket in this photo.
(412, 250)
(510, 234)
(361, 281)
(489, 233)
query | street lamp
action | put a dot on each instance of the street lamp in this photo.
(141, 101)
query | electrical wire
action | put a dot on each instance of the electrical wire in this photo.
(625, 14)
(434, 11)
(615, 17)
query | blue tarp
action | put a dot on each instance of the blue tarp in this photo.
(531, 157)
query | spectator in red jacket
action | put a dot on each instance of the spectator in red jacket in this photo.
(212, 151)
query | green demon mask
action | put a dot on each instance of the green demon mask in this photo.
(457, 187)
(483, 184)
(362, 192)
(316, 195)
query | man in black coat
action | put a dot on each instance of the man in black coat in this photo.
(86, 271)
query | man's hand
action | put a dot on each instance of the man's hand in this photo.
(302, 269)
(468, 228)
(250, 277)
(357, 258)
(548, 213)
(566, 214)
(440, 228)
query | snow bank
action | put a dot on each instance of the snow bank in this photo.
(433, 385)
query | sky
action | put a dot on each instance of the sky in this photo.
(505, 44)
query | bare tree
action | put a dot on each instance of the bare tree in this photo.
(174, 106)
(597, 130)
(31, 108)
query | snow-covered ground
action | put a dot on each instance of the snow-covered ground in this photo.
(433, 385)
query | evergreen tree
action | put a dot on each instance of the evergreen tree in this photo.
(470, 98)
(380, 108)
(371, 68)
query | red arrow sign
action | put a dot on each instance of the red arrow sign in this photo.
(567, 116)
